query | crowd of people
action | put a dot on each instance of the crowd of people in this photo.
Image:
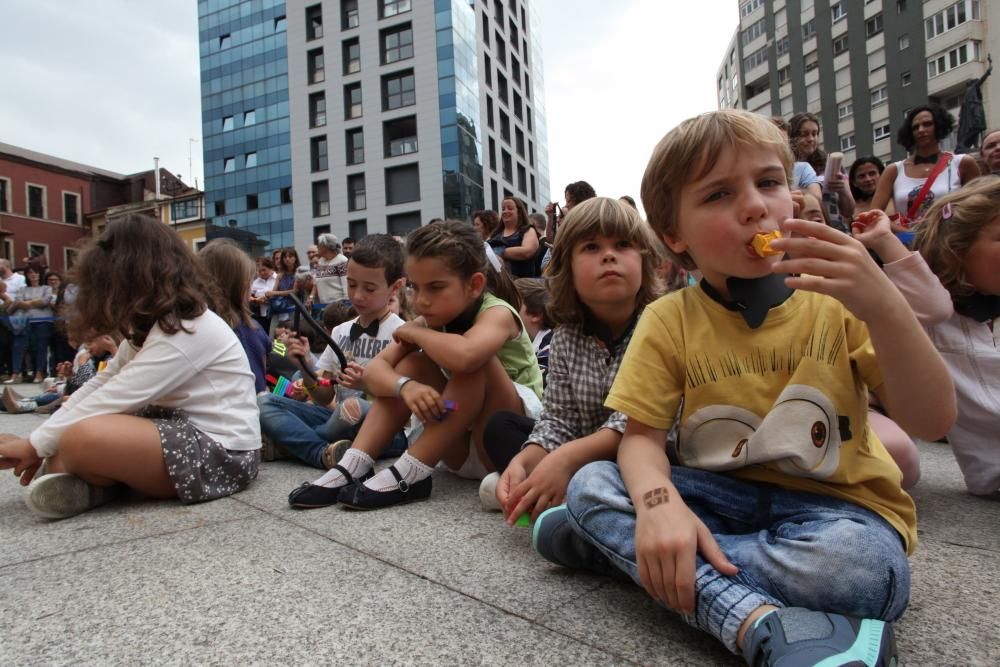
(719, 402)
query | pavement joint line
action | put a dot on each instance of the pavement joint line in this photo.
(597, 586)
(447, 586)
(123, 542)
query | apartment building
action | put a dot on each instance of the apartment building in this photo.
(859, 64)
(378, 115)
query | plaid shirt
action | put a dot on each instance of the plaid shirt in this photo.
(581, 372)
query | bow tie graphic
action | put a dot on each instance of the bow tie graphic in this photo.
(357, 330)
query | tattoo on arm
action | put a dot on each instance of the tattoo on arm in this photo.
(655, 497)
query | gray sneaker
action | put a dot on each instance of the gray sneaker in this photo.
(61, 495)
(554, 539)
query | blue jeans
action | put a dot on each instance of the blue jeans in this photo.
(793, 549)
(39, 334)
(304, 429)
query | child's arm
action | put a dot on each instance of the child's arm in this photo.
(668, 535)
(463, 353)
(839, 266)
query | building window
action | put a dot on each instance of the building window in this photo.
(251, 160)
(358, 229)
(279, 23)
(401, 224)
(400, 136)
(502, 88)
(531, 153)
(227, 123)
(317, 110)
(317, 153)
(508, 166)
(840, 45)
(519, 141)
(781, 46)
(71, 208)
(229, 165)
(748, 8)
(838, 11)
(355, 143)
(873, 26)
(286, 195)
(398, 90)
(493, 154)
(356, 200)
(876, 60)
(754, 31)
(352, 56)
(314, 22)
(518, 106)
(501, 50)
(953, 58)
(402, 184)
(951, 17)
(512, 31)
(904, 41)
(905, 79)
(515, 71)
(225, 41)
(880, 95)
(498, 11)
(352, 101)
(488, 71)
(220, 207)
(187, 209)
(348, 14)
(249, 117)
(811, 61)
(36, 201)
(505, 127)
(847, 142)
(756, 58)
(486, 29)
(389, 8)
(783, 75)
(397, 43)
(253, 203)
(882, 132)
(844, 110)
(317, 66)
(489, 112)
(809, 29)
(321, 198)
(522, 180)
(5, 195)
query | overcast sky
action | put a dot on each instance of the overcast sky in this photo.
(112, 83)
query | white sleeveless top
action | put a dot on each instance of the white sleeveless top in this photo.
(906, 189)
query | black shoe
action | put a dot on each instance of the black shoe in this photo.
(311, 496)
(360, 497)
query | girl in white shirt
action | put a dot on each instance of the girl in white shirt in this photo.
(173, 415)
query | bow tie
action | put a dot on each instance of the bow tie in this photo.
(980, 307)
(357, 330)
(752, 297)
(929, 159)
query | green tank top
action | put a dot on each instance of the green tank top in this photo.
(516, 355)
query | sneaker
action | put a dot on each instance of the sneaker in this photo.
(38, 379)
(553, 537)
(9, 381)
(61, 495)
(335, 451)
(488, 492)
(795, 636)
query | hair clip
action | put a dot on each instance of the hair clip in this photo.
(946, 211)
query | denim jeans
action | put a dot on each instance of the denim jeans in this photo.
(304, 429)
(793, 549)
(39, 334)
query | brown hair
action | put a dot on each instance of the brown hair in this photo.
(818, 157)
(600, 216)
(460, 248)
(490, 221)
(688, 152)
(136, 275)
(944, 242)
(232, 270)
(535, 296)
(337, 313)
(523, 223)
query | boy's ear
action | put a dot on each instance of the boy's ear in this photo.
(396, 286)
(678, 246)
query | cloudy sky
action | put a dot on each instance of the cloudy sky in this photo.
(113, 83)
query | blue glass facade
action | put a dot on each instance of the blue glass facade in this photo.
(245, 121)
(458, 96)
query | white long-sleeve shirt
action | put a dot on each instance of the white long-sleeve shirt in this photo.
(205, 373)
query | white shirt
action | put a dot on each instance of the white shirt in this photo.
(259, 287)
(361, 350)
(330, 276)
(15, 283)
(204, 373)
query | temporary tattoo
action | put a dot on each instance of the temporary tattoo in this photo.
(655, 497)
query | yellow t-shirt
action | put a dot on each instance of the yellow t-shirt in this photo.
(786, 403)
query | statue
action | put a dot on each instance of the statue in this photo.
(972, 117)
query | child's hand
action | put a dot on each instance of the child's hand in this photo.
(17, 453)
(353, 377)
(544, 488)
(668, 538)
(297, 347)
(298, 392)
(838, 183)
(874, 229)
(517, 471)
(832, 263)
(423, 400)
(798, 202)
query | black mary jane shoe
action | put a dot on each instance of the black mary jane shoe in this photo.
(360, 497)
(312, 496)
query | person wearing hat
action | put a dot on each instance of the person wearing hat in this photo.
(330, 272)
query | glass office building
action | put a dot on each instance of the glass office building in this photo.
(245, 128)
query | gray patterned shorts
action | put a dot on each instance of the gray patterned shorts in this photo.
(200, 468)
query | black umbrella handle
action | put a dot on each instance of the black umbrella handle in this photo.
(302, 311)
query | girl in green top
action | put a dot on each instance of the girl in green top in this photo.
(466, 357)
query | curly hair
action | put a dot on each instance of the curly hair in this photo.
(944, 123)
(232, 271)
(138, 274)
(944, 242)
(860, 162)
(600, 216)
(818, 157)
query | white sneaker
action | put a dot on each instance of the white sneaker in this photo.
(488, 492)
(61, 495)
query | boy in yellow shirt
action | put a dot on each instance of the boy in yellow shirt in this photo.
(779, 524)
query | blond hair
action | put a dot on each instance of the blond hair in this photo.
(600, 216)
(689, 151)
(952, 225)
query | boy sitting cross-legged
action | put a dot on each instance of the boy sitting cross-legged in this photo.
(781, 527)
(310, 430)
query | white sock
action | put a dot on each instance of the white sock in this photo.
(412, 470)
(354, 461)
